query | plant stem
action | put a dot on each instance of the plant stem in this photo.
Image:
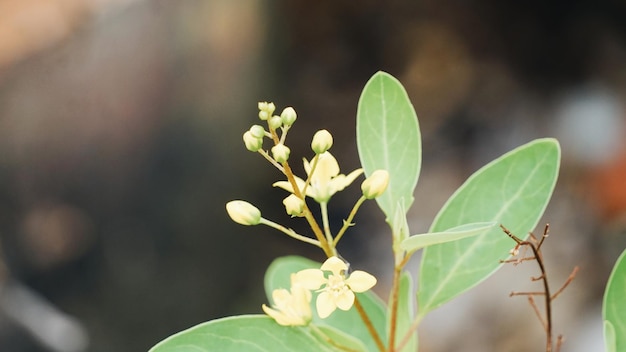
(395, 291)
(328, 339)
(324, 209)
(369, 325)
(290, 232)
(324, 244)
(347, 223)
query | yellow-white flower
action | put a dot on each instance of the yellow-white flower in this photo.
(339, 288)
(291, 307)
(325, 180)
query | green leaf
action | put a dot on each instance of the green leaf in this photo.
(614, 307)
(417, 242)
(252, 333)
(406, 313)
(609, 337)
(278, 276)
(512, 190)
(388, 137)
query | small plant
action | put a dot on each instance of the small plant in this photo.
(329, 306)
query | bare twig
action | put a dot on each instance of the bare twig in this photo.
(535, 245)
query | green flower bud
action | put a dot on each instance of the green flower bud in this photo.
(253, 143)
(243, 212)
(264, 115)
(322, 141)
(265, 106)
(275, 122)
(266, 110)
(257, 131)
(288, 116)
(294, 205)
(376, 184)
(280, 152)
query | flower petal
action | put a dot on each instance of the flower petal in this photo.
(280, 318)
(310, 279)
(345, 300)
(281, 298)
(286, 185)
(360, 281)
(334, 264)
(325, 305)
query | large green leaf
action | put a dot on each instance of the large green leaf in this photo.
(388, 137)
(278, 276)
(614, 307)
(254, 333)
(512, 190)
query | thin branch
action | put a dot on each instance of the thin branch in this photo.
(369, 325)
(535, 246)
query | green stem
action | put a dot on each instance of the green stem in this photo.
(267, 156)
(347, 223)
(308, 179)
(414, 325)
(324, 209)
(290, 232)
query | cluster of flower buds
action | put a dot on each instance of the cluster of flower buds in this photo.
(253, 138)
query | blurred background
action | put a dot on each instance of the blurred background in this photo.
(120, 143)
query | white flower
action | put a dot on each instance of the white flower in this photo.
(339, 288)
(325, 180)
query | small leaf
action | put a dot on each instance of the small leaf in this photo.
(406, 313)
(388, 137)
(417, 242)
(614, 307)
(252, 333)
(512, 190)
(278, 276)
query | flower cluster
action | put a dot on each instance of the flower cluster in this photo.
(337, 291)
(334, 286)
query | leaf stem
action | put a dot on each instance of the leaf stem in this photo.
(348, 222)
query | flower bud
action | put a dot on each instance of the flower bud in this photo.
(253, 143)
(243, 212)
(288, 116)
(294, 205)
(266, 110)
(263, 115)
(322, 141)
(265, 106)
(257, 131)
(275, 122)
(280, 152)
(376, 184)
